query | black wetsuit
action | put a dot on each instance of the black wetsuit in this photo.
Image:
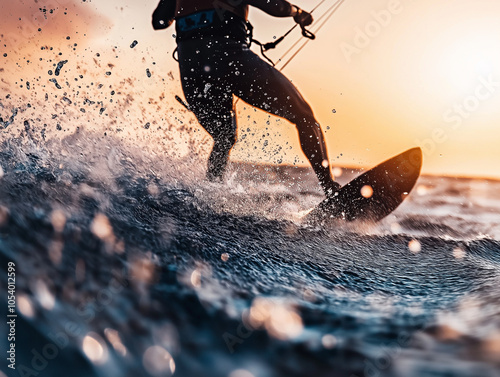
(215, 64)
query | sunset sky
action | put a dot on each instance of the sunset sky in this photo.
(382, 76)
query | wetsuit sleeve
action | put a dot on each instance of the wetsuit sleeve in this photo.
(164, 14)
(276, 8)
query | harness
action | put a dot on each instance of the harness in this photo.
(206, 19)
(270, 45)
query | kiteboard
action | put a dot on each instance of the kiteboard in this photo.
(374, 194)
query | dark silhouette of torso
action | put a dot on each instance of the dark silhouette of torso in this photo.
(186, 7)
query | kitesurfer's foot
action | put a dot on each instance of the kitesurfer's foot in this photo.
(218, 161)
(216, 178)
(331, 189)
(216, 168)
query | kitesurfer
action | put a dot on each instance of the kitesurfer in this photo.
(216, 63)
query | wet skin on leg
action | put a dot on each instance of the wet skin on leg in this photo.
(213, 109)
(271, 91)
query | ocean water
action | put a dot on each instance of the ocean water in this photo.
(128, 263)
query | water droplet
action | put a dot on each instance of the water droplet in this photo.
(114, 338)
(55, 83)
(422, 190)
(43, 295)
(396, 228)
(329, 341)
(367, 191)
(459, 253)
(66, 100)
(337, 172)
(59, 66)
(94, 348)
(415, 246)
(158, 361)
(101, 227)
(196, 278)
(25, 306)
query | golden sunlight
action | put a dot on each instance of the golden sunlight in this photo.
(413, 73)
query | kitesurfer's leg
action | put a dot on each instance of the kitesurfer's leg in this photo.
(213, 111)
(263, 86)
(212, 106)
